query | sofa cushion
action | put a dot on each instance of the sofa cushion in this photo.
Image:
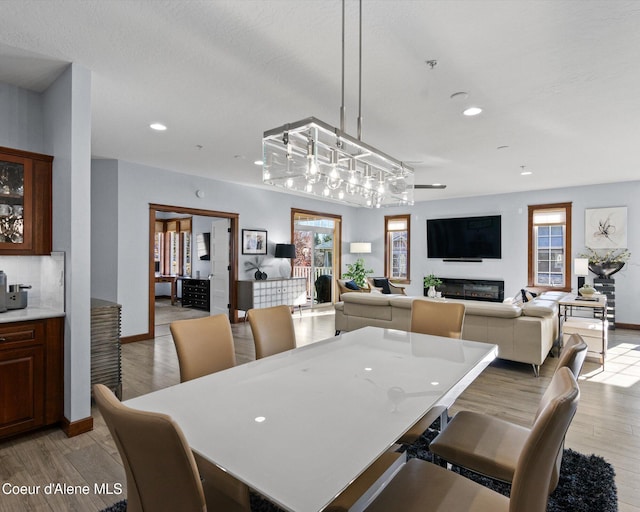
(382, 282)
(494, 309)
(540, 308)
(352, 285)
(527, 295)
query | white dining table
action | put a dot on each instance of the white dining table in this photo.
(300, 426)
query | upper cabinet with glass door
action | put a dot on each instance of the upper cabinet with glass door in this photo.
(25, 202)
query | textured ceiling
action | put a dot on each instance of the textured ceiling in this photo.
(558, 82)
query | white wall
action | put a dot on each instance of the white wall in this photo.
(140, 185)
(512, 268)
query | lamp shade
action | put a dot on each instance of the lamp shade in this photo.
(581, 266)
(360, 247)
(285, 251)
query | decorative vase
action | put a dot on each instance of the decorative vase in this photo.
(606, 269)
(258, 275)
(263, 276)
(431, 292)
(587, 291)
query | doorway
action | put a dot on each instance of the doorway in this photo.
(318, 238)
(222, 264)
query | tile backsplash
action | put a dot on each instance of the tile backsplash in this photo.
(45, 274)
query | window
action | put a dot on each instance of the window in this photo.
(550, 245)
(397, 247)
(172, 251)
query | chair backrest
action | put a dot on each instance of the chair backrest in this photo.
(159, 465)
(272, 330)
(204, 345)
(573, 354)
(437, 318)
(530, 487)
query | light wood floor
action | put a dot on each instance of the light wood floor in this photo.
(607, 422)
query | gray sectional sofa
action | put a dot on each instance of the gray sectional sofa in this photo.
(523, 332)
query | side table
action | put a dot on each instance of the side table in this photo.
(593, 330)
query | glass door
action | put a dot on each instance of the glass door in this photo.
(317, 239)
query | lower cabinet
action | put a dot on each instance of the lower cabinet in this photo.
(31, 375)
(195, 293)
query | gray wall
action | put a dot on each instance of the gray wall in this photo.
(139, 185)
(58, 122)
(512, 268)
(104, 201)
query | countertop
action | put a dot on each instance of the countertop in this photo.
(29, 313)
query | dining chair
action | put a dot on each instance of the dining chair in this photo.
(440, 319)
(426, 487)
(437, 317)
(161, 470)
(272, 330)
(204, 345)
(491, 446)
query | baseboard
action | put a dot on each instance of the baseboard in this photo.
(634, 327)
(135, 337)
(74, 428)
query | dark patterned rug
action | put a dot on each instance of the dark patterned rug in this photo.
(587, 483)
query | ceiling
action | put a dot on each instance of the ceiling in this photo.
(557, 80)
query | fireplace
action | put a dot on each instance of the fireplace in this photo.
(471, 289)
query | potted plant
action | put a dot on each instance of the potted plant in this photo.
(606, 263)
(430, 282)
(357, 272)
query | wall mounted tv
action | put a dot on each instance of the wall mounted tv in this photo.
(464, 238)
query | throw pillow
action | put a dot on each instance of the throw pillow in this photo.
(382, 282)
(527, 295)
(352, 285)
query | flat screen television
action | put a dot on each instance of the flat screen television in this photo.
(465, 238)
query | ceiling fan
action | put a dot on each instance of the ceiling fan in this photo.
(432, 186)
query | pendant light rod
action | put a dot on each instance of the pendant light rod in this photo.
(342, 103)
(360, 73)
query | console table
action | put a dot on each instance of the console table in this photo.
(271, 292)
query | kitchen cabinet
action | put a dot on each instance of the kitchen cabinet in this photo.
(31, 375)
(25, 202)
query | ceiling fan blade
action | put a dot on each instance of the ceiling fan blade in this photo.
(430, 186)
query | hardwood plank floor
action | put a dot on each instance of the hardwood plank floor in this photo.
(607, 422)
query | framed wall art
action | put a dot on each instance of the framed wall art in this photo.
(254, 241)
(605, 228)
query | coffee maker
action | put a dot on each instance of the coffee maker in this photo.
(15, 297)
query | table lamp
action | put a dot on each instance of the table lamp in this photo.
(581, 269)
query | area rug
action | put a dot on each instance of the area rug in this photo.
(587, 482)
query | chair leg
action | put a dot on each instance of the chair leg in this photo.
(536, 370)
(337, 332)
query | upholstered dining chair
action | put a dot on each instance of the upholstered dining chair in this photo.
(436, 317)
(492, 446)
(427, 487)
(161, 470)
(440, 319)
(272, 330)
(204, 345)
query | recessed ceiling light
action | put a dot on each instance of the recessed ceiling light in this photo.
(472, 111)
(524, 172)
(158, 127)
(258, 162)
(459, 95)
